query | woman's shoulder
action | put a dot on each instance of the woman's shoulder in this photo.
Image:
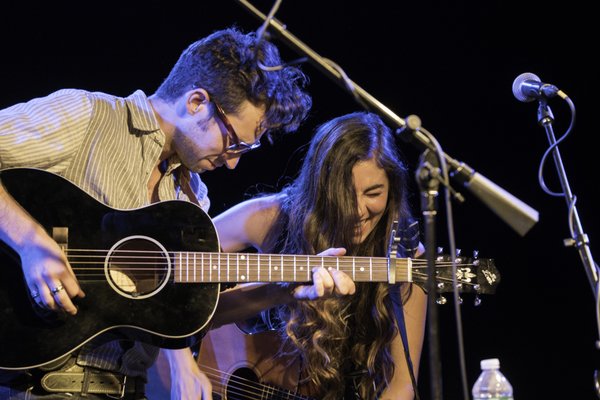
(267, 203)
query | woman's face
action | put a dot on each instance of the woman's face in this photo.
(371, 185)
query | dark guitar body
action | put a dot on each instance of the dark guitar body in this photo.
(158, 312)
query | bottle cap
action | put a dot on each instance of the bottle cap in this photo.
(490, 363)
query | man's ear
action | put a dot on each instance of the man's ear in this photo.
(196, 99)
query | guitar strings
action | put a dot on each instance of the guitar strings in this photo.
(246, 387)
(74, 257)
(93, 261)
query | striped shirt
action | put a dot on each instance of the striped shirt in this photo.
(108, 146)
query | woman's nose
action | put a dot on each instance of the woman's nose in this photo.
(362, 209)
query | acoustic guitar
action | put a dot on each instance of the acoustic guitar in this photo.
(239, 367)
(153, 273)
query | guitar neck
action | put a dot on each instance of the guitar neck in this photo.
(192, 267)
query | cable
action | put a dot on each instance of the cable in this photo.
(551, 148)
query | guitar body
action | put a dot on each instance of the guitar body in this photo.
(239, 367)
(246, 367)
(122, 298)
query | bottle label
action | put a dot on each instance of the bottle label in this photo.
(494, 398)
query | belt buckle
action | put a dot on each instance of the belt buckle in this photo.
(123, 385)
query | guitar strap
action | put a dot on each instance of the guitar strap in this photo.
(407, 242)
(402, 329)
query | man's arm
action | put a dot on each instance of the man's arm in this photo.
(248, 224)
(187, 381)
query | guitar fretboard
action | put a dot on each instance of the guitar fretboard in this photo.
(193, 267)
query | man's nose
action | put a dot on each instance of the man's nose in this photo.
(231, 163)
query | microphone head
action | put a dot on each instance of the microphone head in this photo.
(518, 84)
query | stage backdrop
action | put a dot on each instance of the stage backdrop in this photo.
(453, 65)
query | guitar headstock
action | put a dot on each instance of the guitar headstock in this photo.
(473, 274)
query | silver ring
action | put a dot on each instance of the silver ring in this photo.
(57, 289)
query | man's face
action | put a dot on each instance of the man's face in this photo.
(202, 143)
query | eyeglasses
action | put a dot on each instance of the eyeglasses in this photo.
(237, 146)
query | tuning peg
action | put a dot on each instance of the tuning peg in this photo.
(477, 287)
(477, 300)
(441, 300)
(458, 251)
(460, 300)
(440, 250)
(475, 253)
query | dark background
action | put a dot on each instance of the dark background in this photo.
(453, 66)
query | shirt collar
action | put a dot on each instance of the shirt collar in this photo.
(141, 112)
(143, 119)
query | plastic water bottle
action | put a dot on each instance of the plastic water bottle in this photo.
(492, 384)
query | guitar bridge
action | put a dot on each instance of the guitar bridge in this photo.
(61, 235)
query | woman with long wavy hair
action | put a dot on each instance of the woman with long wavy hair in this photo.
(350, 189)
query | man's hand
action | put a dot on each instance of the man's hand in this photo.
(326, 282)
(48, 274)
(187, 381)
(248, 299)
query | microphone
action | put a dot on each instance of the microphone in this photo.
(529, 87)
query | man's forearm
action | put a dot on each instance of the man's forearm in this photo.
(16, 226)
(247, 300)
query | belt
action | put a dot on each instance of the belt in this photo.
(77, 379)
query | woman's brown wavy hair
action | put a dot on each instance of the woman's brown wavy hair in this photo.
(319, 211)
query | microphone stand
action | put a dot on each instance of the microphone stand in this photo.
(514, 212)
(427, 178)
(580, 239)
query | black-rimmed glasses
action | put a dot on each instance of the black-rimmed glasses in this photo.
(237, 146)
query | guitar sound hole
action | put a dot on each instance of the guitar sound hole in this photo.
(137, 267)
(243, 385)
